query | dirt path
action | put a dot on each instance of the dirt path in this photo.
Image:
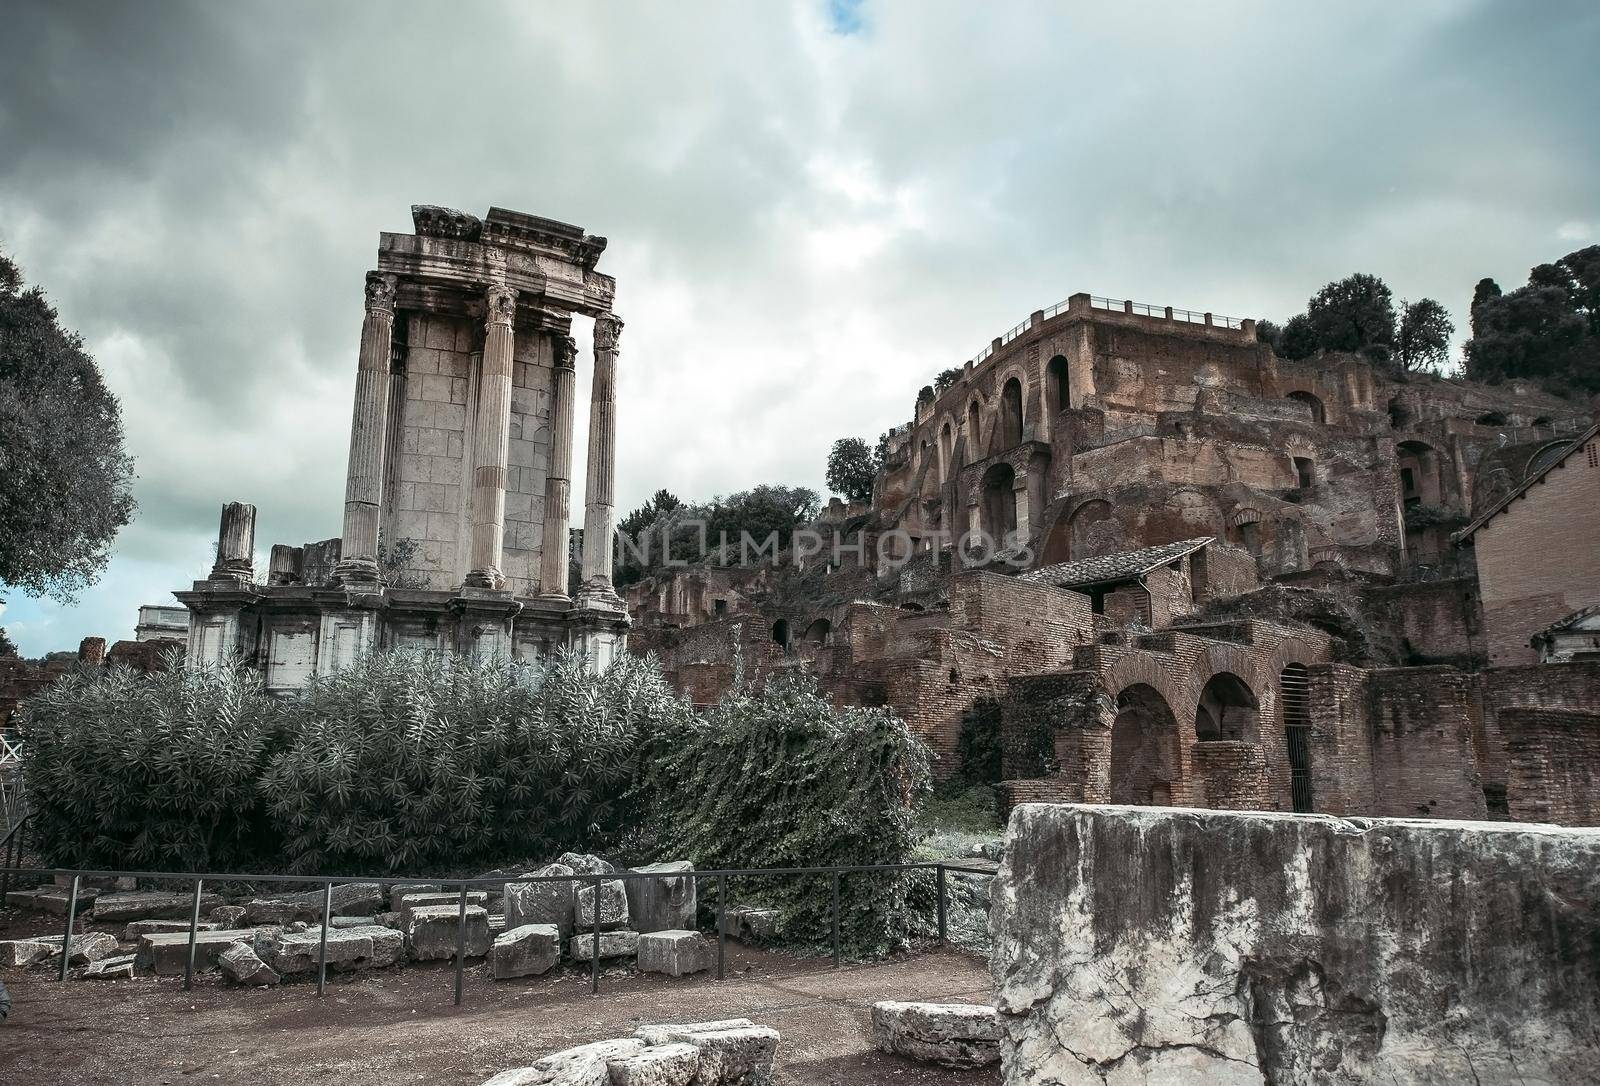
(398, 1026)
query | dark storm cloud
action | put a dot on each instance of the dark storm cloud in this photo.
(812, 208)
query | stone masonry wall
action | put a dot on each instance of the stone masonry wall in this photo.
(1554, 764)
(1142, 945)
(1423, 760)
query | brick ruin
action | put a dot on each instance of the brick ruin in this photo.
(1220, 579)
(456, 522)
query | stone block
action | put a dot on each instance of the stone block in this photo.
(675, 953)
(131, 933)
(149, 905)
(166, 952)
(227, 916)
(388, 944)
(89, 947)
(404, 903)
(612, 907)
(242, 965)
(663, 904)
(613, 944)
(54, 900)
(735, 1053)
(401, 889)
(525, 951)
(959, 1035)
(431, 931)
(21, 953)
(662, 1065)
(349, 899)
(289, 952)
(541, 902)
(1293, 948)
(750, 923)
(585, 1065)
(585, 864)
(23, 899)
(117, 967)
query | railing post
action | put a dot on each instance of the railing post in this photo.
(594, 956)
(322, 945)
(461, 941)
(11, 844)
(194, 934)
(722, 927)
(72, 916)
(836, 919)
(942, 939)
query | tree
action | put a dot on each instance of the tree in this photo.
(1424, 339)
(851, 469)
(946, 379)
(761, 512)
(1299, 339)
(643, 531)
(1548, 331)
(1355, 314)
(1270, 333)
(65, 481)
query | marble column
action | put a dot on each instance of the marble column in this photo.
(491, 441)
(236, 544)
(363, 492)
(558, 484)
(599, 513)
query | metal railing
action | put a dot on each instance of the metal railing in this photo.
(597, 881)
(11, 800)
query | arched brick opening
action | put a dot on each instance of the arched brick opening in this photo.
(1227, 710)
(946, 450)
(1145, 763)
(1319, 414)
(1081, 527)
(1058, 385)
(1010, 414)
(974, 424)
(999, 503)
(820, 631)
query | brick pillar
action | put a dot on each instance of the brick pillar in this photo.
(491, 442)
(363, 492)
(558, 484)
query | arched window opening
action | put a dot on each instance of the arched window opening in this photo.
(820, 632)
(1492, 418)
(999, 509)
(780, 633)
(1227, 710)
(1058, 385)
(1318, 414)
(1294, 694)
(946, 449)
(1399, 414)
(1419, 473)
(974, 452)
(1011, 414)
(1091, 531)
(1305, 472)
(1144, 748)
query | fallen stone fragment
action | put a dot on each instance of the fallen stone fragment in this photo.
(400, 889)
(613, 906)
(242, 965)
(584, 864)
(54, 900)
(417, 899)
(750, 923)
(541, 902)
(227, 916)
(166, 952)
(388, 945)
(89, 947)
(675, 953)
(613, 944)
(525, 951)
(431, 931)
(663, 904)
(349, 899)
(730, 1055)
(131, 933)
(292, 952)
(21, 953)
(119, 967)
(662, 1065)
(25, 899)
(662, 1035)
(952, 1034)
(585, 1065)
(149, 905)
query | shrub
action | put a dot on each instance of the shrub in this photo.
(410, 762)
(127, 770)
(781, 778)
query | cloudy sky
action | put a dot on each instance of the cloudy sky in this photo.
(813, 207)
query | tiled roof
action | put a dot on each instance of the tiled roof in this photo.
(1522, 488)
(1113, 567)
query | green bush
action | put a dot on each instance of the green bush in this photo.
(781, 778)
(133, 771)
(411, 763)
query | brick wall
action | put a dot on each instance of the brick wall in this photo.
(1438, 620)
(1341, 741)
(1423, 756)
(1233, 774)
(1539, 560)
(1554, 765)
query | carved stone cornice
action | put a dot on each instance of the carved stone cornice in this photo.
(519, 229)
(381, 289)
(502, 304)
(566, 352)
(607, 331)
(432, 221)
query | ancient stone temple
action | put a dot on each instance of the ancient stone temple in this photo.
(457, 498)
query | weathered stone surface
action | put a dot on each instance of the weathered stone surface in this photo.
(613, 944)
(663, 904)
(166, 952)
(149, 905)
(131, 933)
(730, 1052)
(663, 1065)
(675, 953)
(291, 952)
(349, 899)
(750, 923)
(401, 889)
(54, 900)
(418, 899)
(666, 1034)
(952, 1034)
(525, 951)
(21, 953)
(227, 916)
(23, 899)
(388, 944)
(585, 864)
(613, 906)
(431, 931)
(1147, 944)
(117, 967)
(89, 947)
(242, 965)
(541, 902)
(585, 1065)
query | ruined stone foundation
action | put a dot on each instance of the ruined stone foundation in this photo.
(1140, 945)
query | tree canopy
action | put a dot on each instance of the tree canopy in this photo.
(1547, 331)
(851, 469)
(1357, 315)
(65, 480)
(1423, 342)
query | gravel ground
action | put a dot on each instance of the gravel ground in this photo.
(398, 1026)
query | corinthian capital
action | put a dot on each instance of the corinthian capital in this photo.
(502, 304)
(566, 352)
(607, 330)
(380, 292)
